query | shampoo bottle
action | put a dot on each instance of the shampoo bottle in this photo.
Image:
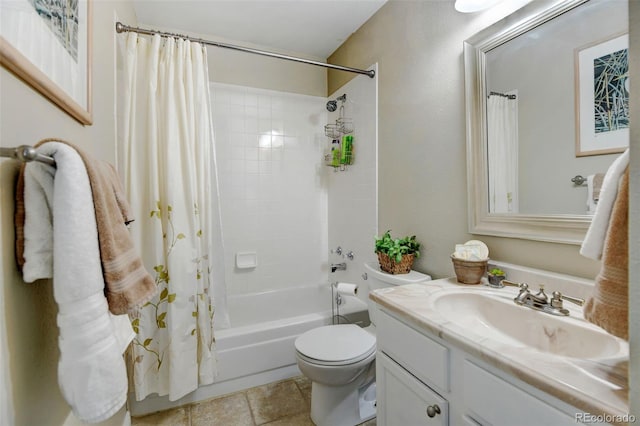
(347, 150)
(335, 153)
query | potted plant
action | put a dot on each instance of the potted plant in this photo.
(396, 256)
(496, 275)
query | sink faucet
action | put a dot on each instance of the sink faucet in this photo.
(338, 266)
(540, 301)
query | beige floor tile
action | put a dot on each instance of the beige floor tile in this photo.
(175, 417)
(232, 410)
(275, 401)
(371, 422)
(304, 385)
(301, 419)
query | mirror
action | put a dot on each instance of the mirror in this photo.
(531, 88)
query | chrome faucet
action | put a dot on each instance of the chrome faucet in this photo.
(338, 266)
(540, 301)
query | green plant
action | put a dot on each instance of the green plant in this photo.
(497, 271)
(395, 248)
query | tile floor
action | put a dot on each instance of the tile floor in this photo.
(284, 403)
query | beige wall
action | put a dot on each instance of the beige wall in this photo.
(422, 157)
(30, 312)
(244, 69)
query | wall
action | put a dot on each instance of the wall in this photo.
(30, 311)
(422, 157)
(272, 187)
(353, 200)
(547, 159)
(244, 69)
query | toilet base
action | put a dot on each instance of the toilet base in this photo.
(343, 405)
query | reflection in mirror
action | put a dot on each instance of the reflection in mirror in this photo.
(535, 116)
(534, 146)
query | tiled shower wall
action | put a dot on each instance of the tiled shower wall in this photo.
(272, 186)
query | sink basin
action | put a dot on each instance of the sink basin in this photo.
(495, 316)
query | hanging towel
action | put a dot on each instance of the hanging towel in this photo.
(593, 243)
(609, 304)
(128, 284)
(594, 185)
(61, 242)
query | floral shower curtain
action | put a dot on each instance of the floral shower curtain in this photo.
(170, 177)
(502, 135)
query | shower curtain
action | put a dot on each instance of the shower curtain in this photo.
(502, 136)
(169, 171)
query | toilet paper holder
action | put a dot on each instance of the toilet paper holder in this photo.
(337, 291)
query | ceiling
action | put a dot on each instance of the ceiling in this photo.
(313, 28)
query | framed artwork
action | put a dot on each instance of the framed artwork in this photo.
(602, 97)
(47, 43)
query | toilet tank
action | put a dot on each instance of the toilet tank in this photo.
(376, 278)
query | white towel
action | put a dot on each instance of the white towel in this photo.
(61, 241)
(593, 243)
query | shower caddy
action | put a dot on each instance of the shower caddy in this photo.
(340, 151)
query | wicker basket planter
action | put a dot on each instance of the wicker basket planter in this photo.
(389, 265)
(469, 271)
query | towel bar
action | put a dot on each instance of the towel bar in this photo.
(578, 180)
(26, 153)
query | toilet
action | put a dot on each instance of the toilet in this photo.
(340, 360)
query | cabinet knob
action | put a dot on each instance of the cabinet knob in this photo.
(433, 410)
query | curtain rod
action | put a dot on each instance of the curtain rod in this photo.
(121, 28)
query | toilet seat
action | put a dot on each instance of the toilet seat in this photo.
(335, 345)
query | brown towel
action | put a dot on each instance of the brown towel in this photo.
(598, 178)
(127, 283)
(609, 304)
(18, 218)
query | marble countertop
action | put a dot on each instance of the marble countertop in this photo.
(596, 386)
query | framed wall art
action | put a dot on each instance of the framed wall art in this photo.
(602, 97)
(47, 43)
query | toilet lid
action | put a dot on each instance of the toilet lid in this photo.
(336, 343)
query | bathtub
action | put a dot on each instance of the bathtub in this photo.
(258, 348)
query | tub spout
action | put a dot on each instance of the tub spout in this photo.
(338, 267)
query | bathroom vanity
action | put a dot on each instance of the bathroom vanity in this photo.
(452, 354)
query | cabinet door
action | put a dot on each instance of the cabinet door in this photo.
(494, 401)
(404, 400)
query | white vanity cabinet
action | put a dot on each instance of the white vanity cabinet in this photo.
(423, 380)
(405, 400)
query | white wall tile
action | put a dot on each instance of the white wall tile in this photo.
(271, 199)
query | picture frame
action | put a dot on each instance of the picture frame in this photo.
(602, 96)
(54, 56)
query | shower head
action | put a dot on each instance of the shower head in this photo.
(333, 105)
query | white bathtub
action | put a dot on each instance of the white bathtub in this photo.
(258, 348)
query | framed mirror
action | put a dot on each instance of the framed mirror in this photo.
(531, 91)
